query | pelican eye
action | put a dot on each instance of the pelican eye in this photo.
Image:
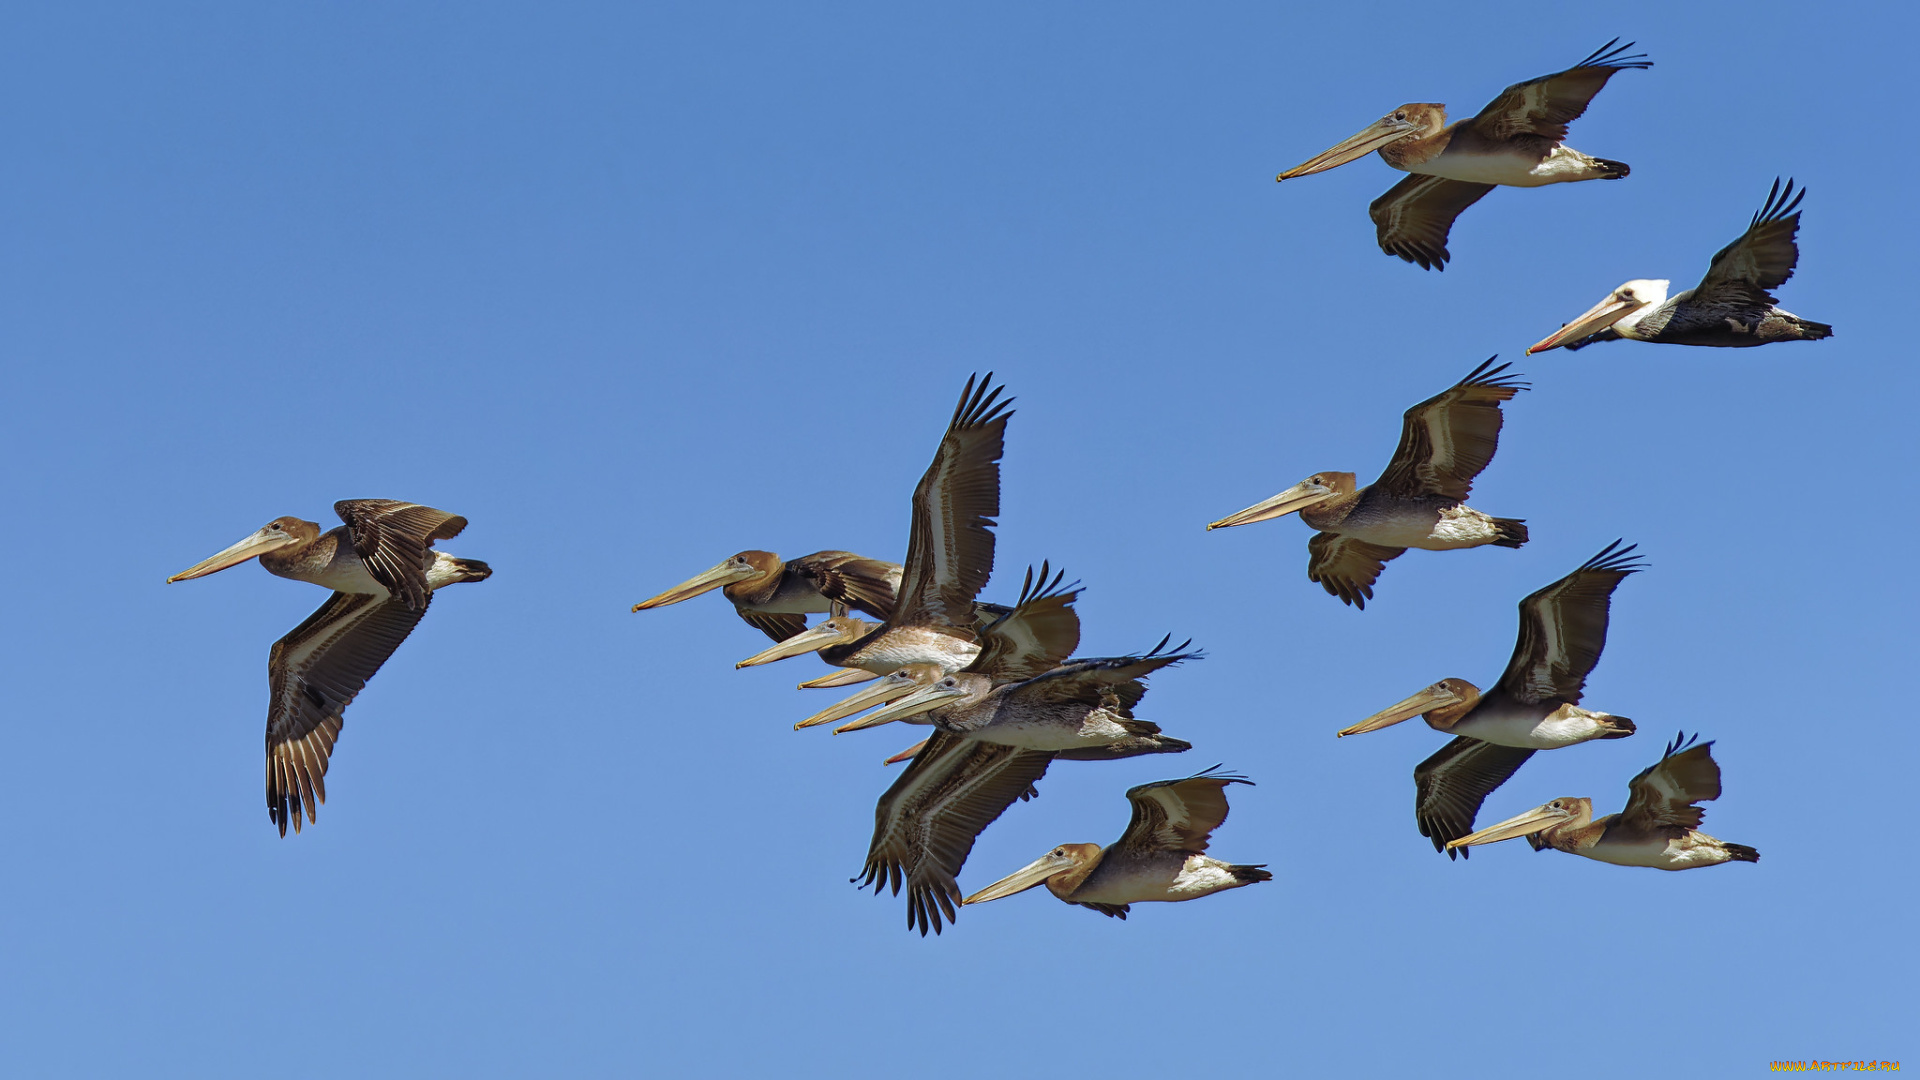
(1399, 116)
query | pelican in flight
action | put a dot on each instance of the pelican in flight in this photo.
(1161, 856)
(1418, 502)
(1659, 828)
(383, 570)
(1731, 308)
(1535, 705)
(1518, 140)
(949, 556)
(775, 597)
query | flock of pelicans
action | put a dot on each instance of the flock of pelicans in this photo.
(1000, 686)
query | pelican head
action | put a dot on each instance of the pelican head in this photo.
(897, 685)
(1560, 813)
(1410, 121)
(1312, 491)
(274, 535)
(947, 690)
(1442, 703)
(1061, 869)
(746, 566)
(1622, 309)
(839, 630)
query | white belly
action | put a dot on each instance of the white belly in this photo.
(1512, 170)
(1167, 876)
(1459, 527)
(1684, 853)
(1565, 726)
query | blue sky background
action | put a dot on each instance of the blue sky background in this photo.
(633, 289)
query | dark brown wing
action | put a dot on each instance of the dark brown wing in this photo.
(777, 625)
(1110, 681)
(1039, 633)
(950, 543)
(1450, 786)
(1543, 107)
(392, 539)
(1662, 796)
(1563, 628)
(853, 580)
(313, 674)
(1446, 440)
(1745, 271)
(925, 825)
(1347, 568)
(1414, 217)
(1177, 815)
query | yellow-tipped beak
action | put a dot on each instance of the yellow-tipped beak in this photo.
(1366, 141)
(1298, 497)
(1424, 701)
(1034, 873)
(1538, 819)
(259, 543)
(725, 574)
(1592, 321)
(846, 676)
(888, 690)
(924, 700)
(812, 639)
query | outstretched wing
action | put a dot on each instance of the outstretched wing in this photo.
(1040, 632)
(392, 539)
(1450, 786)
(1543, 107)
(1446, 440)
(1414, 217)
(1662, 796)
(1563, 628)
(1178, 815)
(313, 674)
(1745, 271)
(777, 625)
(925, 825)
(1347, 568)
(950, 542)
(1112, 681)
(858, 582)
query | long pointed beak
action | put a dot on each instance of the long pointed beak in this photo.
(258, 544)
(846, 676)
(888, 690)
(926, 699)
(1034, 873)
(908, 754)
(1403, 710)
(1595, 319)
(1535, 820)
(725, 574)
(1298, 497)
(1371, 138)
(812, 639)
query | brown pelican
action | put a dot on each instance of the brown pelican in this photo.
(1517, 140)
(1659, 827)
(1162, 855)
(1730, 308)
(775, 597)
(949, 555)
(1419, 501)
(1535, 705)
(382, 569)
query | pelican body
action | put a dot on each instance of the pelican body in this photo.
(775, 596)
(1731, 308)
(1518, 140)
(1419, 501)
(383, 571)
(1659, 827)
(1161, 857)
(1535, 705)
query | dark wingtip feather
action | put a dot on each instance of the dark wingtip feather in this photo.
(1616, 559)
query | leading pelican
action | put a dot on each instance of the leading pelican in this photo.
(1518, 140)
(775, 596)
(1161, 856)
(1535, 705)
(383, 570)
(1659, 828)
(1732, 306)
(1419, 500)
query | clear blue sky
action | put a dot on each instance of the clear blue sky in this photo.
(635, 289)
